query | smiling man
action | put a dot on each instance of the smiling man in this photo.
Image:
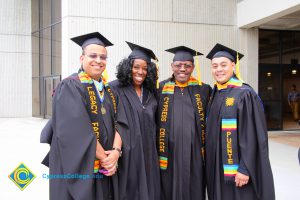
(181, 125)
(237, 160)
(82, 131)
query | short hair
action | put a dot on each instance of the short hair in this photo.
(124, 74)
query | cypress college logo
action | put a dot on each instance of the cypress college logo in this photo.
(22, 176)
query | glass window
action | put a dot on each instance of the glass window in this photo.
(290, 46)
(45, 14)
(56, 49)
(35, 39)
(269, 46)
(270, 93)
(48, 96)
(279, 54)
(46, 54)
(56, 11)
(34, 15)
(36, 97)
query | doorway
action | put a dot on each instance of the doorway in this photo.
(278, 71)
(275, 81)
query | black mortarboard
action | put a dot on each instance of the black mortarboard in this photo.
(183, 53)
(220, 50)
(91, 38)
(139, 52)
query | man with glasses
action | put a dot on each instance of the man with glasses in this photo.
(182, 101)
(85, 143)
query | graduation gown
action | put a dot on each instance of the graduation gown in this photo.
(252, 149)
(139, 165)
(46, 137)
(184, 177)
(73, 145)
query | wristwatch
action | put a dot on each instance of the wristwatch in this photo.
(119, 150)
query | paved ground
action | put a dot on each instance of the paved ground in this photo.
(289, 123)
(291, 138)
(285, 164)
(19, 142)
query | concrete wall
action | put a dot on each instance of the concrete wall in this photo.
(158, 25)
(249, 47)
(15, 56)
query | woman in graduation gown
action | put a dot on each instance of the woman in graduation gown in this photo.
(135, 85)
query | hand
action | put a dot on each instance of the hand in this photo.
(100, 153)
(109, 172)
(110, 162)
(241, 179)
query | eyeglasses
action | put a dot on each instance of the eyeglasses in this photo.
(179, 65)
(95, 56)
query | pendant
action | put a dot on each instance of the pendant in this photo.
(103, 110)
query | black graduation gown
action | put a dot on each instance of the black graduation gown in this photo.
(184, 178)
(46, 137)
(253, 150)
(139, 165)
(73, 145)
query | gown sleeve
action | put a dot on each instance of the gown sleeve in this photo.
(121, 120)
(253, 144)
(242, 168)
(47, 133)
(46, 137)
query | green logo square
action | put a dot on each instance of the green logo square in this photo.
(22, 176)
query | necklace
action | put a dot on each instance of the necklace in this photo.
(99, 86)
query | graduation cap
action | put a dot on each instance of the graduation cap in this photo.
(91, 38)
(183, 53)
(139, 52)
(220, 50)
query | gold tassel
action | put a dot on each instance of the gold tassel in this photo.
(156, 63)
(237, 67)
(198, 70)
(105, 76)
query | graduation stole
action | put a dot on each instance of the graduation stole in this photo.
(93, 107)
(229, 123)
(165, 112)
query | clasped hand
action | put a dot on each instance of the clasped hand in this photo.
(110, 162)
